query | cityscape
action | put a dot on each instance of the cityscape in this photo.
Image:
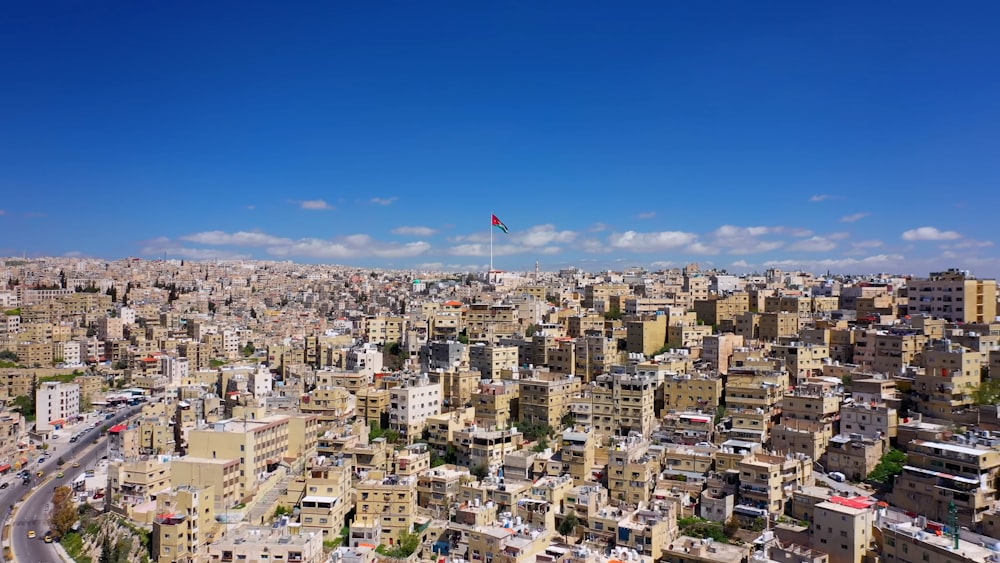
(177, 411)
(522, 282)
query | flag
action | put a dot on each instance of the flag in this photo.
(499, 224)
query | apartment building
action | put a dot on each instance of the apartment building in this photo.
(753, 403)
(261, 445)
(954, 295)
(544, 399)
(184, 522)
(773, 326)
(438, 489)
(326, 495)
(686, 391)
(646, 335)
(266, 545)
(411, 404)
(372, 405)
(966, 472)
(718, 349)
(478, 447)
(802, 360)
(946, 387)
(623, 403)
(595, 354)
(767, 482)
(56, 404)
(854, 454)
(888, 351)
(716, 309)
(577, 452)
(908, 541)
(387, 501)
(632, 469)
(490, 359)
(222, 476)
(133, 484)
(457, 385)
(843, 528)
(496, 403)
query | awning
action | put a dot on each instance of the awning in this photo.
(5, 467)
(60, 422)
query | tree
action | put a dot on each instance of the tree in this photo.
(568, 525)
(888, 467)
(530, 330)
(480, 471)
(63, 514)
(7, 355)
(249, 349)
(987, 393)
(614, 314)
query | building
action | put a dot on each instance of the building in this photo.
(966, 472)
(411, 404)
(909, 542)
(266, 545)
(389, 502)
(953, 295)
(947, 385)
(491, 359)
(495, 403)
(185, 520)
(56, 404)
(842, 527)
(544, 399)
(623, 403)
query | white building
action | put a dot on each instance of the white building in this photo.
(176, 370)
(69, 352)
(56, 403)
(411, 404)
(366, 360)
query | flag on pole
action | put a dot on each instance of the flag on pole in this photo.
(499, 224)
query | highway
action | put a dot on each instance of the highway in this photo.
(32, 513)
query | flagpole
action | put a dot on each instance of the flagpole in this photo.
(490, 273)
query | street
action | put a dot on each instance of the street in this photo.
(30, 514)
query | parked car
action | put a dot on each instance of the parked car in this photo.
(838, 476)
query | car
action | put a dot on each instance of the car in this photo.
(837, 476)
(76, 464)
(48, 538)
(98, 495)
(40, 474)
(4, 485)
(60, 475)
(31, 533)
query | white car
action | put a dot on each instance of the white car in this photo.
(837, 476)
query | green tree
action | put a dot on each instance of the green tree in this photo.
(568, 525)
(26, 405)
(480, 471)
(888, 467)
(614, 314)
(9, 356)
(248, 350)
(530, 330)
(987, 392)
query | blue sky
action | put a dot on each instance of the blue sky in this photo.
(852, 136)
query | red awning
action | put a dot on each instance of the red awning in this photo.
(117, 428)
(60, 422)
(5, 467)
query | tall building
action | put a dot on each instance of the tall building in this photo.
(623, 404)
(843, 528)
(55, 404)
(410, 405)
(954, 295)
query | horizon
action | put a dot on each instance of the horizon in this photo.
(853, 138)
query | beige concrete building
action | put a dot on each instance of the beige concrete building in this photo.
(937, 473)
(261, 445)
(953, 295)
(222, 475)
(411, 404)
(477, 447)
(623, 403)
(909, 542)
(951, 375)
(267, 545)
(184, 524)
(752, 401)
(545, 399)
(496, 403)
(132, 486)
(843, 528)
(632, 470)
(686, 391)
(577, 453)
(646, 335)
(491, 359)
(388, 500)
(718, 308)
(802, 360)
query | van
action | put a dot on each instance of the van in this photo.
(838, 476)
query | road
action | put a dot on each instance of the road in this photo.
(842, 487)
(31, 514)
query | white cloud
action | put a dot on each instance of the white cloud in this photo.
(542, 235)
(352, 246)
(745, 240)
(969, 243)
(873, 243)
(315, 205)
(599, 227)
(646, 215)
(741, 264)
(814, 244)
(663, 264)
(175, 251)
(240, 238)
(820, 197)
(414, 231)
(842, 264)
(384, 200)
(650, 242)
(854, 217)
(930, 233)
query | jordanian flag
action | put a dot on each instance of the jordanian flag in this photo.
(499, 224)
